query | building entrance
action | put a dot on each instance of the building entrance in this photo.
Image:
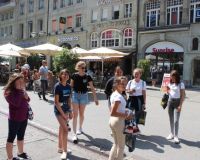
(196, 73)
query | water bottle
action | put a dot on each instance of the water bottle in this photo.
(68, 126)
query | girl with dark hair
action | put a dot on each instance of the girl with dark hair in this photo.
(18, 100)
(62, 110)
(176, 91)
(118, 115)
(109, 84)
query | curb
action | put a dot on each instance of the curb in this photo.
(55, 134)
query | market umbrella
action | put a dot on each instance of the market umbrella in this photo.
(80, 51)
(47, 49)
(10, 49)
(10, 53)
(104, 53)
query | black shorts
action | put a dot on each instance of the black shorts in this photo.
(16, 129)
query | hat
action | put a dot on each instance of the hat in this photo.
(15, 76)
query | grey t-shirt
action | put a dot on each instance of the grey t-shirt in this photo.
(44, 72)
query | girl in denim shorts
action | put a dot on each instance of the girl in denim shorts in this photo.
(79, 83)
(62, 110)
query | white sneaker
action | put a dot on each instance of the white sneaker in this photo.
(170, 137)
(176, 140)
(63, 156)
(80, 131)
(75, 139)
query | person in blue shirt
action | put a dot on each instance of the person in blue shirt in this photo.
(62, 110)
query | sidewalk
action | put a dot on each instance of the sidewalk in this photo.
(42, 146)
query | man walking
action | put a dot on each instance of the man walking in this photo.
(43, 72)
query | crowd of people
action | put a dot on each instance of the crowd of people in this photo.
(126, 100)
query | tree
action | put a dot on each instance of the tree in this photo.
(65, 60)
(2, 59)
(144, 64)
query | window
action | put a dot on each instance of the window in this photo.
(69, 22)
(55, 3)
(30, 28)
(10, 30)
(94, 15)
(31, 6)
(152, 13)
(110, 38)
(128, 37)
(70, 2)
(127, 10)
(11, 15)
(195, 11)
(104, 14)
(2, 32)
(41, 4)
(94, 40)
(2, 17)
(40, 25)
(62, 22)
(21, 9)
(195, 44)
(62, 3)
(6, 32)
(21, 31)
(78, 1)
(78, 20)
(6, 16)
(174, 12)
(115, 12)
(54, 25)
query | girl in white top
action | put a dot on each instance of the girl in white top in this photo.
(176, 91)
(117, 116)
(136, 88)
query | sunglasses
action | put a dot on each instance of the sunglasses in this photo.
(82, 67)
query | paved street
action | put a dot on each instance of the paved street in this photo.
(151, 144)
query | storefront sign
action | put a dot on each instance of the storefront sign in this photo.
(164, 47)
(164, 50)
(68, 39)
(112, 24)
(106, 2)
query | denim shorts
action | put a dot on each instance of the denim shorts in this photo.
(80, 98)
(65, 108)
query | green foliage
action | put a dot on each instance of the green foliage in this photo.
(144, 64)
(34, 61)
(2, 59)
(65, 60)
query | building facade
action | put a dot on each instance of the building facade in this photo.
(169, 35)
(85, 23)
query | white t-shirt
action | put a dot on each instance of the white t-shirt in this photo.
(174, 91)
(116, 96)
(137, 86)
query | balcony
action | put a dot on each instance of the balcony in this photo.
(6, 5)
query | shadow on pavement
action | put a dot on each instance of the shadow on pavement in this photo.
(76, 158)
(190, 143)
(102, 144)
(156, 143)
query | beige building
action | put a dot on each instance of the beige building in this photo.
(85, 23)
(169, 35)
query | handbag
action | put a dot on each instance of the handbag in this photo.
(30, 113)
(142, 117)
(164, 100)
(130, 141)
